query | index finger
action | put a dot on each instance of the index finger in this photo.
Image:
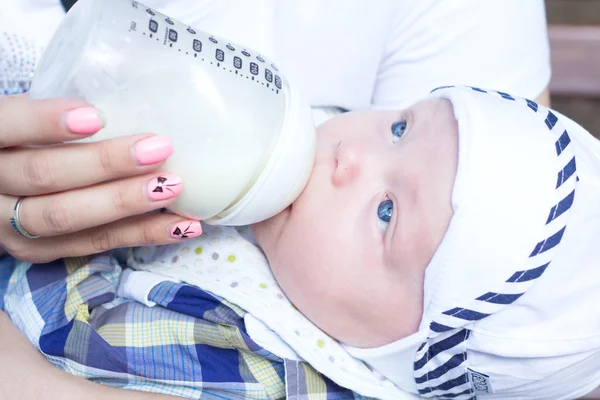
(27, 121)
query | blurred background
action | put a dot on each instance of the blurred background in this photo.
(574, 28)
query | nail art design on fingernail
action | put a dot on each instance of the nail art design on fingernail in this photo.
(164, 187)
(186, 230)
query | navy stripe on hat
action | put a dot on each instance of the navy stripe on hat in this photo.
(437, 328)
(562, 142)
(455, 361)
(530, 274)
(566, 173)
(449, 384)
(499, 298)
(442, 346)
(561, 207)
(548, 243)
(532, 104)
(551, 120)
(463, 313)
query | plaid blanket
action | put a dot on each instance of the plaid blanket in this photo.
(191, 344)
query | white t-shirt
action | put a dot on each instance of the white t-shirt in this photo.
(350, 54)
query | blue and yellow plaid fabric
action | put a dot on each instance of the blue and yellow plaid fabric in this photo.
(191, 344)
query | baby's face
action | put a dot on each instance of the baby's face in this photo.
(351, 251)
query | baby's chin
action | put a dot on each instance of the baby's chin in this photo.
(268, 231)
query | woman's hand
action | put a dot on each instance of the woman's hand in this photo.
(80, 199)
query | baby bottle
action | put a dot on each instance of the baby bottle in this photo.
(244, 140)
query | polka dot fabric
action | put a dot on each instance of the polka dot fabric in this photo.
(18, 58)
(228, 263)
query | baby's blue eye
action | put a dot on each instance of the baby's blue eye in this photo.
(398, 129)
(384, 213)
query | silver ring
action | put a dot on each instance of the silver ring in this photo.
(15, 221)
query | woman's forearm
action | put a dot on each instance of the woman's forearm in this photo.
(26, 374)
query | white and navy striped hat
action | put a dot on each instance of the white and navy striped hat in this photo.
(512, 295)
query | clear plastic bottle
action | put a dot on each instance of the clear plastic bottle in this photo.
(243, 137)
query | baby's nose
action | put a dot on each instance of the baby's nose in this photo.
(349, 158)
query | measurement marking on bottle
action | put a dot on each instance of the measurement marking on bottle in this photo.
(235, 65)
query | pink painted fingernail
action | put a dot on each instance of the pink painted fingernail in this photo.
(85, 120)
(153, 150)
(186, 229)
(164, 187)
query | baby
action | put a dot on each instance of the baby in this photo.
(448, 250)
